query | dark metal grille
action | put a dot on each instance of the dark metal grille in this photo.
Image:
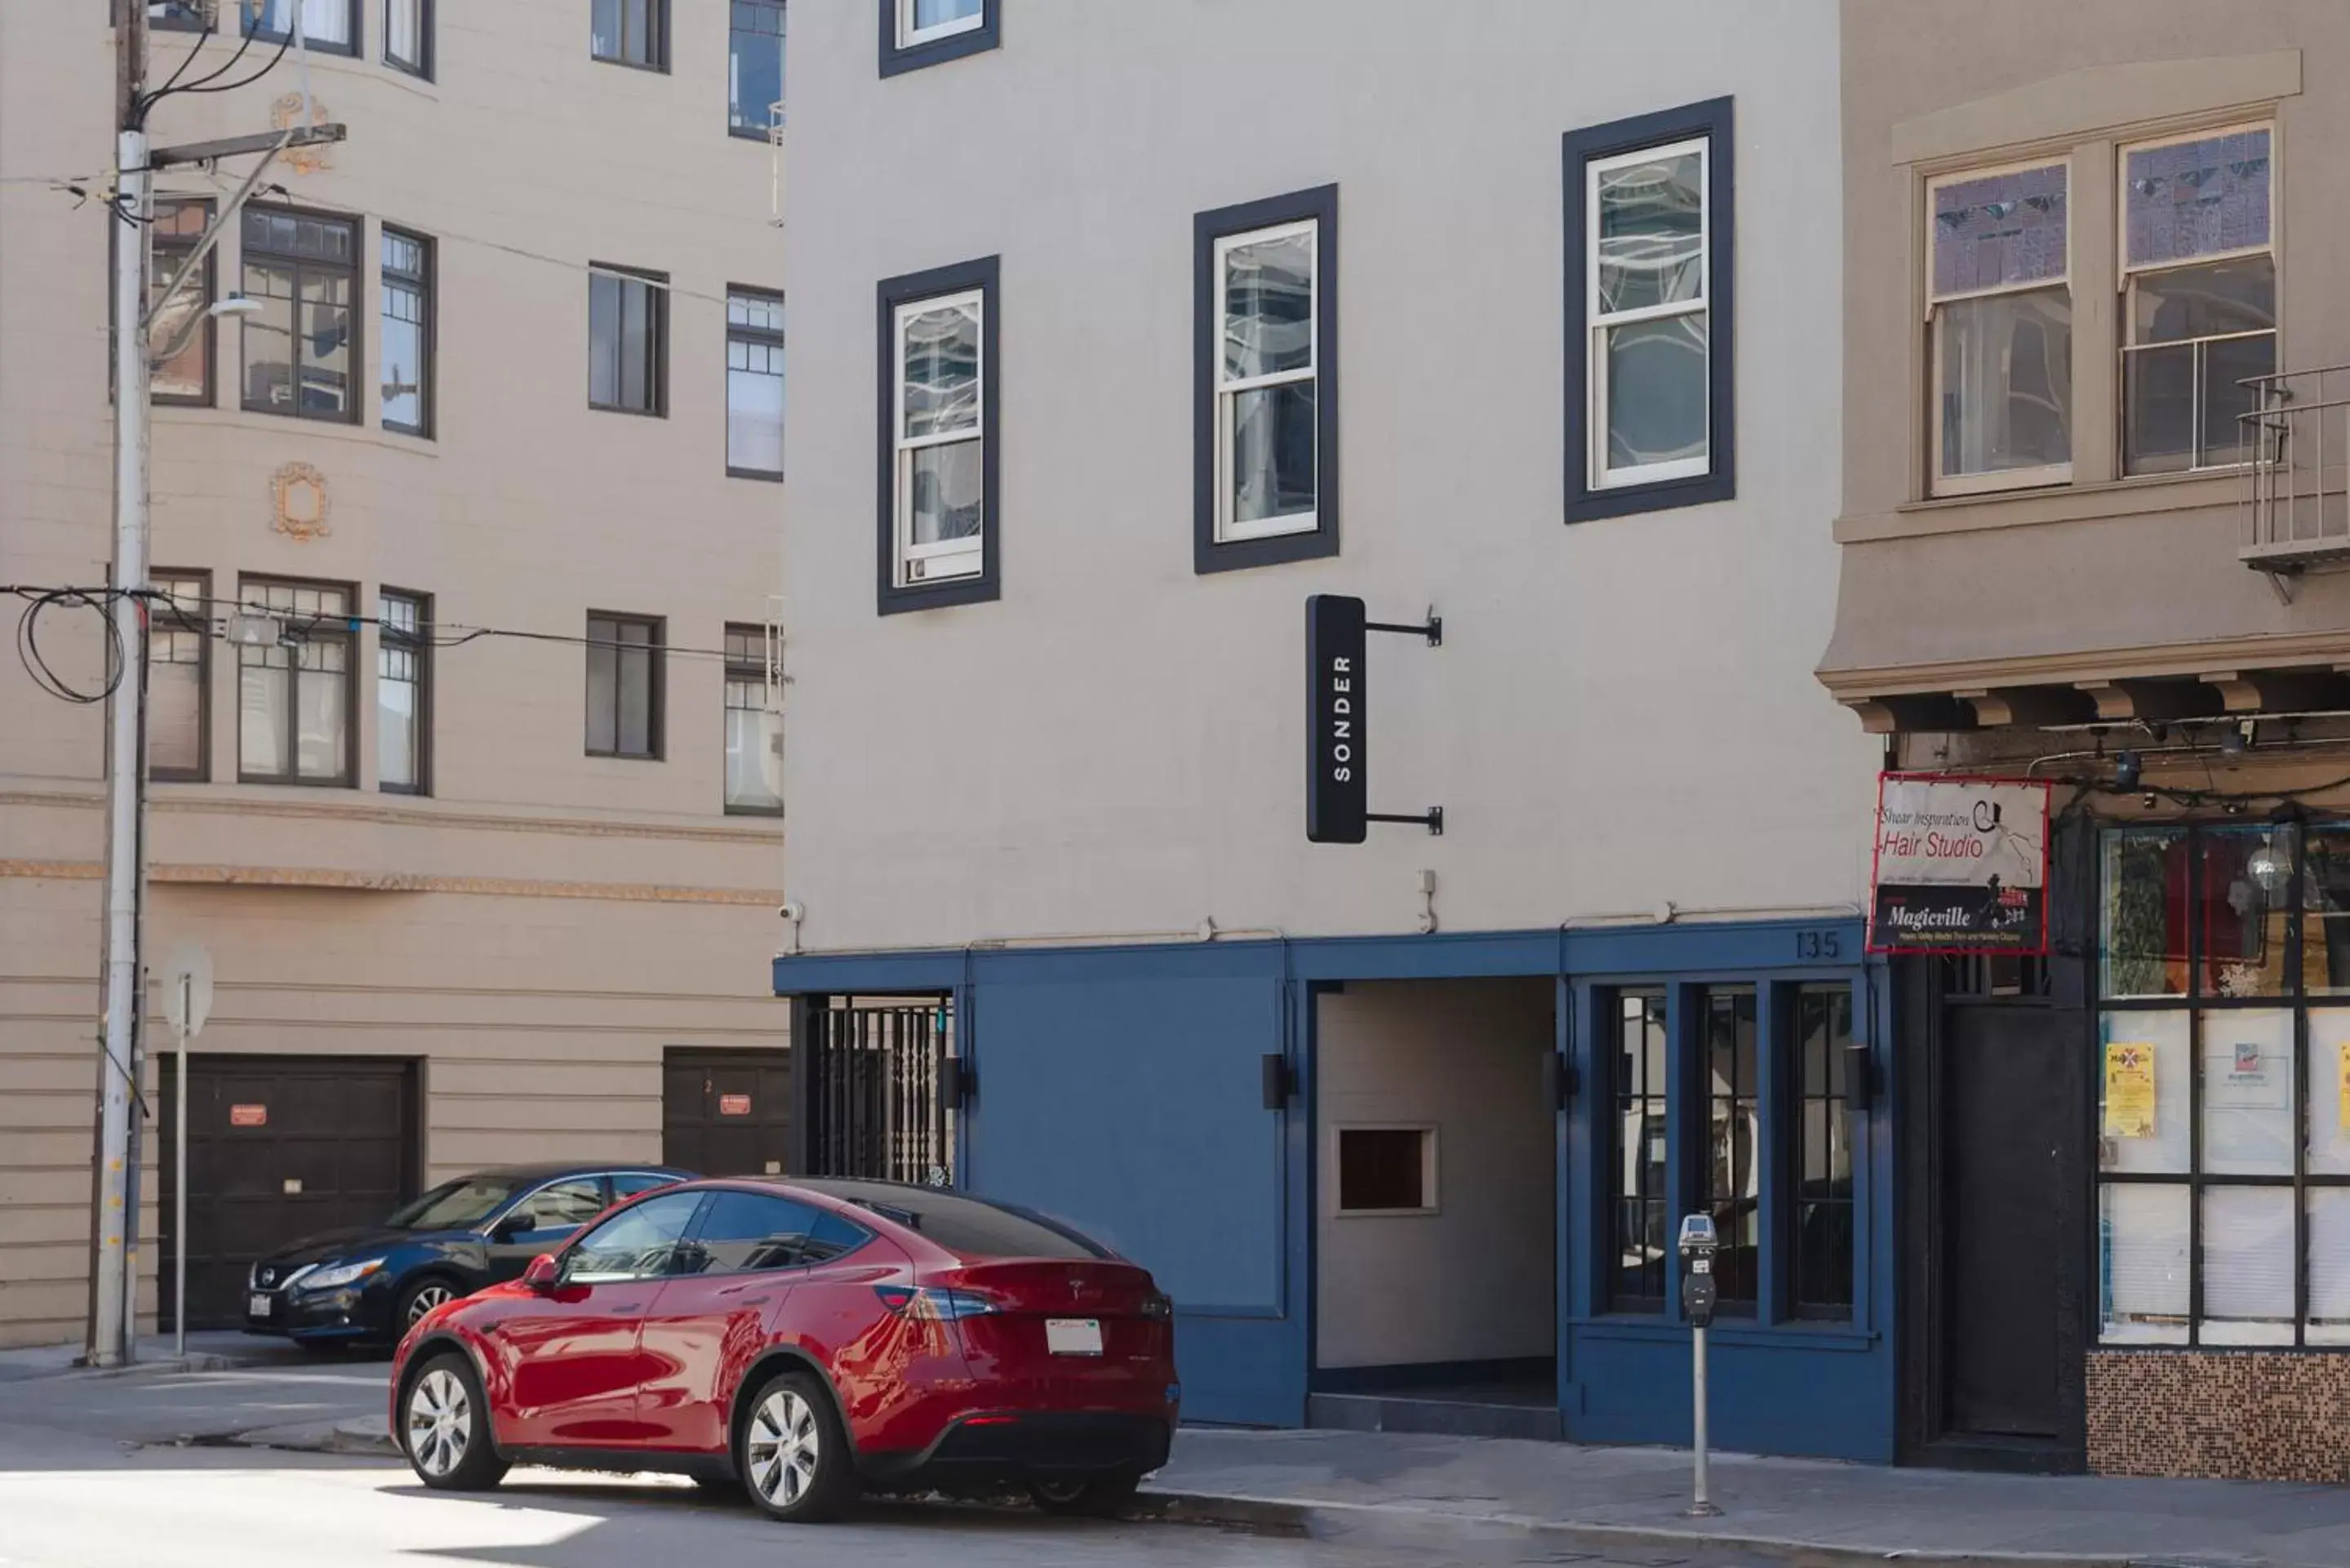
(875, 1108)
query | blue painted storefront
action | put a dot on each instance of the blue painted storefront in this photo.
(1121, 1088)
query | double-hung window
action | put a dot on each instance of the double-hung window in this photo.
(1650, 272)
(754, 384)
(754, 67)
(403, 692)
(630, 33)
(916, 32)
(627, 340)
(301, 349)
(624, 686)
(329, 25)
(185, 376)
(179, 678)
(2001, 302)
(1266, 341)
(938, 433)
(408, 37)
(407, 347)
(294, 696)
(2199, 273)
(754, 728)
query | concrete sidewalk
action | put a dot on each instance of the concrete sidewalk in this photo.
(208, 1351)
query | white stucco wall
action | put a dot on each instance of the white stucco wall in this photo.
(1623, 711)
(1475, 1281)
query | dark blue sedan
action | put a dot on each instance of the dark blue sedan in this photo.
(366, 1285)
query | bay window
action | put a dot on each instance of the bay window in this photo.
(2002, 309)
(294, 696)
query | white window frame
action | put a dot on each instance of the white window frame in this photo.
(1228, 389)
(912, 37)
(945, 560)
(1598, 322)
(2129, 272)
(1428, 1166)
(1938, 484)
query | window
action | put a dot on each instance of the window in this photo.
(407, 333)
(640, 1243)
(754, 67)
(1266, 341)
(624, 686)
(179, 678)
(938, 437)
(2200, 283)
(403, 698)
(300, 352)
(564, 1205)
(1386, 1171)
(408, 37)
(293, 697)
(1822, 1200)
(630, 33)
(971, 1226)
(1729, 1184)
(754, 384)
(628, 1183)
(918, 33)
(1638, 1195)
(185, 376)
(2224, 1072)
(627, 340)
(1650, 264)
(834, 1236)
(754, 731)
(2000, 250)
(749, 1231)
(331, 25)
(182, 15)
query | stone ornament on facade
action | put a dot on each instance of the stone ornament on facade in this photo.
(282, 116)
(298, 497)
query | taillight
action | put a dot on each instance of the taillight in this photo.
(933, 1302)
(1157, 1307)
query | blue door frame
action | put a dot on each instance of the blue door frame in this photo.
(1119, 1086)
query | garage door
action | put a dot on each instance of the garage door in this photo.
(726, 1113)
(279, 1147)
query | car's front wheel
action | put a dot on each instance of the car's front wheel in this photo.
(419, 1299)
(793, 1452)
(445, 1427)
(1102, 1497)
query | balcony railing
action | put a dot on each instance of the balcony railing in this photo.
(2297, 462)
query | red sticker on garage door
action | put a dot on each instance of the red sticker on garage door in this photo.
(734, 1105)
(248, 1115)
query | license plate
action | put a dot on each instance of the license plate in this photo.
(256, 1306)
(1072, 1336)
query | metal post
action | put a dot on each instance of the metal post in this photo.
(112, 1328)
(180, 1179)
(1701, 1506)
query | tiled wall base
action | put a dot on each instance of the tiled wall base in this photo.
(2221, 1414)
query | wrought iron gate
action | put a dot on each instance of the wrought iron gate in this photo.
(874, 1101)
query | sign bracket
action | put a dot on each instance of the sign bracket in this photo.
(1433, 630)
(1433, 819)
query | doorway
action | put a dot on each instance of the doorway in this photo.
(726, 1113)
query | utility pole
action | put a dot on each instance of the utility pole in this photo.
(113, 1328)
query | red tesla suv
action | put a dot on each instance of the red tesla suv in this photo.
(809, 1340)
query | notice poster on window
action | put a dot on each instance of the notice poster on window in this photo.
(2246, 1075)
(2129, 1089)
(1961, 866)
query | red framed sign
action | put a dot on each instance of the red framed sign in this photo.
(1960, 865)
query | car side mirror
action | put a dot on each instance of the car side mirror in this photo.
(515, 1222)
(541, 1274)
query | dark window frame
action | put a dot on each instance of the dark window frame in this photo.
(420, 68)
(898, 59)
(656, 685)
(766, 336)
(1711, 119)
(657, 290)
(419, 644)
(164, 612)
(1655, 1100)
(427, 284)
(349, 777)
(982, 276)
(247, 252)
(250, 12)
(1837, 1102)
(1319, 206)
(1704, 1199)
(783, 11)
(656, 37)
(742, 668)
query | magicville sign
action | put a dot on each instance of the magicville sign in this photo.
(1337, 720)
(1960, 866)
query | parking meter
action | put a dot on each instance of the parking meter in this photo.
(1697, 1246)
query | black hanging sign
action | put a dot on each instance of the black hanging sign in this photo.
(1337, 786)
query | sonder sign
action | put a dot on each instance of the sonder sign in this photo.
(1338, 792)
(1961, 865)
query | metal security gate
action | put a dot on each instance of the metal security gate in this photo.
(878, 1088)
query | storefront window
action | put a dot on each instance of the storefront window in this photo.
(2224, 1098)
(1638, 1174)
(1733, 1152)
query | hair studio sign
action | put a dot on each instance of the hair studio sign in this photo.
(1960, 866)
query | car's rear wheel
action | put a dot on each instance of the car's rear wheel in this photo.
(1100, 1497)
(793, 1452)
(419, 1299)
(445, 1427)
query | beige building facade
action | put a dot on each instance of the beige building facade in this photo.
(464, 724)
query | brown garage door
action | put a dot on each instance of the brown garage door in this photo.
(278, 1147)
(726, 1113)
